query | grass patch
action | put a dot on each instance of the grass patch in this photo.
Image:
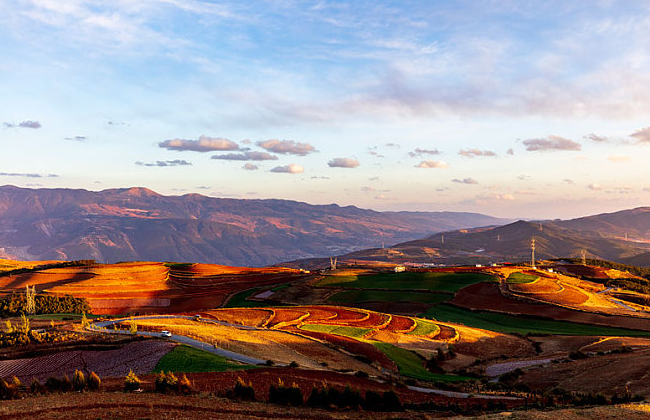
(437, 282)
(280, 287)
(353, 296)
(411, 365)
(351, 332)
(423, 327)
(189, 359)
(522, 325)
(521, 278)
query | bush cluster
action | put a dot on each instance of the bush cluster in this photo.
(131, 382)
(244, 391)
(168, 383)
(285, 395)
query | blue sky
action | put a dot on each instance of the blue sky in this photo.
(511, 108)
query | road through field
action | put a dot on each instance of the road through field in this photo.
(187, 340)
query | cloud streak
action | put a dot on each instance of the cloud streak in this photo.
(286, 147)
(28, 175)
(471, 153)
(551, 143)
(203, 144)
(251, 155)
(465, 181)
(24, 124)
(419, 152)
(163, 163)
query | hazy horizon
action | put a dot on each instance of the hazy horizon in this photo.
(511, 109)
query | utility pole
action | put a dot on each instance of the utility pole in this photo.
(498, 238)
(333, 263)
(532, 249)
(442, 239)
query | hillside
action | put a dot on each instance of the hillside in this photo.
(601, 236)
(139, 224)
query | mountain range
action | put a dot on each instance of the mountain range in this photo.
(622, 236)
(138, 224)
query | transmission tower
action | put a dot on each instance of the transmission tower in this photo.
(333, 263)
(584, 257)
(498, 238)
(442, 239)
(30, 299)
(532, 250)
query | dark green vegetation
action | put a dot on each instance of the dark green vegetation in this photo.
(438, 282)
(411, 365)
(239, 300)
(15, 304)
(521, 278)
(178, 265)
(188, 359)
(520, 324)
(354, 296)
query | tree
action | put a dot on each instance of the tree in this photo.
(78, 381)
(131, 382)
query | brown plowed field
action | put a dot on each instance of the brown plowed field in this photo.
(320, 314)
(486, 296)
(355, 347)
(141, 356)
(542, 285)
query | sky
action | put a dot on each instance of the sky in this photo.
(521, 109)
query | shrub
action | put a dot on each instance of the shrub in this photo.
(577, 355)
(244, 391)
(53, 384)
(293, 364)
(36, 387)
(349, 398)
(66, 384)
(166, 382)
(78, 381)
(388, 401)
(185, 386)
(94, 382)
(131, 382)
(318, 398)
(285, 395)
(10, 391)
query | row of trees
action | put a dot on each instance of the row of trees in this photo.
(15, 389)
(16, 304)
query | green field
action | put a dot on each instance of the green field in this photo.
(520, 324)
(352, 332)
(189, 359)
(423, 327)
(521, 278)
(437, 282)
(354, 296)
(411, 365)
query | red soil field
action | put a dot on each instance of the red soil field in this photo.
(246, 316)
(445, 333)
(320, 314)
(487, 296)
(400, 324)
(283, 316)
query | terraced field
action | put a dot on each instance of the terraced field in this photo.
(149, 287)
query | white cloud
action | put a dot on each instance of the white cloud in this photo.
(552, 142)
(594, 187)
(618, 158)
(465, 181)
(292, 168)
(643, 135)
(432, 164)
(250, 167)
(343, 163)
(250, 155)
